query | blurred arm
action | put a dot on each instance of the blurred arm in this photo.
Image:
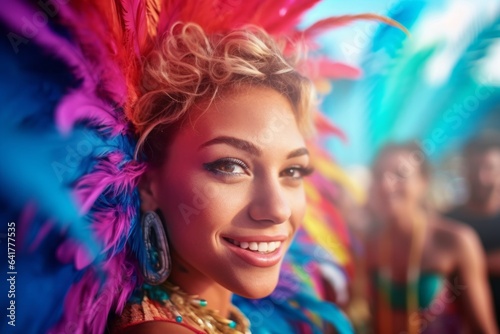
(476, 301)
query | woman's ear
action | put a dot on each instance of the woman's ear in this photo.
(148, 191)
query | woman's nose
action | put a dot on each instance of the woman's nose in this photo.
(270, 203)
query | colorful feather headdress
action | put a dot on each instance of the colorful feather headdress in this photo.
(70, 79)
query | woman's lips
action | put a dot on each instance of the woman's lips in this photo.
(257, 252)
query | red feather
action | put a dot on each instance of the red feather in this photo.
(335, 22)
(325, 126)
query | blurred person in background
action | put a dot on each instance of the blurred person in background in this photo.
(481, 211)
(425, 274)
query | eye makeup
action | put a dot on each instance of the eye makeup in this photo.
(227, 167)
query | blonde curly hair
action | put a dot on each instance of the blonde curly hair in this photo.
(189, 67)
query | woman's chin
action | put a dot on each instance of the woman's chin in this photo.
(257, 293)
(256, 289)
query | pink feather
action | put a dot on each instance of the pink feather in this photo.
(325, 68)
(107, 174)
(96, 295)
(326, 127)
(72, 251)
(112, 175)
(80, 105)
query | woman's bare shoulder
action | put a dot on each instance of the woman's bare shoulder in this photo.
(157, 327)
(457, 234)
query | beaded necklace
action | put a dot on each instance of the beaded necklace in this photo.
(194, 311)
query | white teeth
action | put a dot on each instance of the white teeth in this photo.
(271, 246)
(263, 247)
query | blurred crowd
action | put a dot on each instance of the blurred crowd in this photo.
(422, 267)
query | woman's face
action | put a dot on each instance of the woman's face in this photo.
(231, 190)
(398, 184)
(483, 174)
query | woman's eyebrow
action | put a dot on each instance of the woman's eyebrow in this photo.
(235, 142)
(297, 153)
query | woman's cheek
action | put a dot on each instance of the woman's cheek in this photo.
(299, 206)
(182, 197)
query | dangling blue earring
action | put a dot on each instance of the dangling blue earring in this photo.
(156, 263)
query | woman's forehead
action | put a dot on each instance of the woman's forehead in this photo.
(260, 116)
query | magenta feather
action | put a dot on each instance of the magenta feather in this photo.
(95, 71)
(41, 234)
(99, 73)
(73, 251)
(80, 105)
(112, 176)
(98, 68)
(107, 173)
(84, 314)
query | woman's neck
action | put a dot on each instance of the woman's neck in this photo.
(404, 224)
(194, 283)
(400, 226)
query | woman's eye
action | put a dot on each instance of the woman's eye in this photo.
(297, 172)
(227, 166)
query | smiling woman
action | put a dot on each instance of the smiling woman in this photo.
(159, 166)
(221, 124)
